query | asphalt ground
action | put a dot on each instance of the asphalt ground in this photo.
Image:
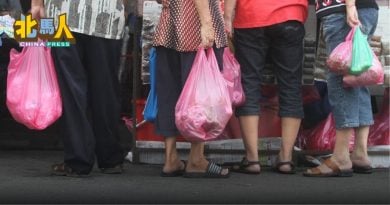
(25, 178)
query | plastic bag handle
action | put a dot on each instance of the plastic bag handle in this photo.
(209, 51)
(351, 34)
(228, 52)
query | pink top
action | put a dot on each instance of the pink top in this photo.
(179, 25)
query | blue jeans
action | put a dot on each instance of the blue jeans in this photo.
(351, 106)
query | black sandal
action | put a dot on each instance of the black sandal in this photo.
(362, 169)
(279, 164)
(242, 167)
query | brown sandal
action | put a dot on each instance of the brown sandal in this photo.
(64, 170)
(336, 171)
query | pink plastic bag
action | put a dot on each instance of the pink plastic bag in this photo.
(33, 95)
(204, 106)
(339, 60)
(373, 76)
(322, 137)
(232, 74)
(380, 130)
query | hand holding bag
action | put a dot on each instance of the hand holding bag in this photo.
(362, 55)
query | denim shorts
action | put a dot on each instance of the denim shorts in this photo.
(351, 106)
(283, 43)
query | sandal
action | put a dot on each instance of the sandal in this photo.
(279, 164)
(175, 173)
(336, 171)
(64, 170)
(212, 171)
(362, 169)
(242, 167)
(118, 169)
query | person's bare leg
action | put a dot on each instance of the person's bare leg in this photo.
(359, 155)
(341, 151)
(290, 128)
(172, 159)
(196, 160)
(250, 132)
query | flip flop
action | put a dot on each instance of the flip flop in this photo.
(362, 169)
(212, 171)
(175, 173)
(336, 171)
(242, 167)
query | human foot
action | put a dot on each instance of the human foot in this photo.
(212, 171)
(205, 169)
(361, 164)
(287, 167)
(63, 169)
(173, 169)
(284, 164)
(247, 167)
(331, 168)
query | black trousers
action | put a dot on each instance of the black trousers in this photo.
(87, 75)
(283, 43)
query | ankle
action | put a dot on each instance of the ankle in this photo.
(197, 160)
(341, 160)
(252, 158)
(197, 164)
(360, 158)
(285, 156)
(359, 154)
(172, 159)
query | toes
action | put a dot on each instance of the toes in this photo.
(225, 171)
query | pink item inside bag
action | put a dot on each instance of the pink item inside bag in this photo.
(373, 76)
(232, 74)
(33, 95)
(204, 106)
(339, 60)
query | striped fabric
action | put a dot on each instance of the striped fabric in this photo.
(326, 7)
(214, 169)
(179, 25)
(100, 18)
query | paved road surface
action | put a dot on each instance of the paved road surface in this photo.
(25, 178)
